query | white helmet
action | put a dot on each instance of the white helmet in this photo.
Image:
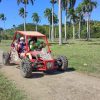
(22, 38)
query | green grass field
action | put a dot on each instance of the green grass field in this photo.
(8, 90)
(83, 55)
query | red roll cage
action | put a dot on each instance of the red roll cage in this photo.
(31, 34)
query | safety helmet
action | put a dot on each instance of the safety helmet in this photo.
(22, 38)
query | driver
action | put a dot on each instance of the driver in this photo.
(34, 43)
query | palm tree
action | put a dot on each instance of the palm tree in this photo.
(48, 15)
(14, 27)
(65, 8)
(60, 22)
(67, 4)
(73, 18)
(88, 6)
(52, 32)
(1, 29)
(79, 12)
(25, 2)
(21, 13)
(3, 18)
(36, 19)
(71, 5)
(55, 22)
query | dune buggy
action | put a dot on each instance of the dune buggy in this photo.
(39, 59)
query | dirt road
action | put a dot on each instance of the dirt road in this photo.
(55, 86)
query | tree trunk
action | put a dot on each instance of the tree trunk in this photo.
(49, 33)
(52, 33)
(36, 27)
(25, 18)
(65, 26)
(73, 30)
(0, 37)
(79, 29)
(87, 27)
(55, 33)
(60, 23)
(4, 25)
(4, 28)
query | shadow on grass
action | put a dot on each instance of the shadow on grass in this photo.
(94, 44)
(51, 44)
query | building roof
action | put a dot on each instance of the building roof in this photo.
(31, 33)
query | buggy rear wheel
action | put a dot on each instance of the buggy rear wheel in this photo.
(62, 63)
(6, 58)
(26, 68)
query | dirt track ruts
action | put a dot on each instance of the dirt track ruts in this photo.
(55, 86)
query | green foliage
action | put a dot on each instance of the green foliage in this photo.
(21, 12)
(95, 30)
(48, 15)
(53, 1)
(55, 19)
(2, 17)
(29, 27)
(72, 15)
(35, 18)
(25, 1)
(89, 5)
(68, 4)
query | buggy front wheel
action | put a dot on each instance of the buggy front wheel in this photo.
(25, 68)
(62, 63)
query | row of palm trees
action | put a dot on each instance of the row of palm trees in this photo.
(83, 10)
(48, 15)
(35, 17)
(25, 2)
(87, 8)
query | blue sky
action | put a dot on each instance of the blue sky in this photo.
(10, 9)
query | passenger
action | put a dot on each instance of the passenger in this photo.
(22, 46)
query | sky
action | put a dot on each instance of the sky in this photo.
(11, 9)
